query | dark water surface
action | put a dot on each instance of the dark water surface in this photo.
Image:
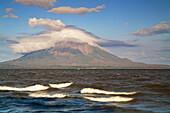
(153, 87)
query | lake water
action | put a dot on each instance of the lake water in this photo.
(152, 87)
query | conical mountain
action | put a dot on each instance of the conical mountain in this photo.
(71, 55)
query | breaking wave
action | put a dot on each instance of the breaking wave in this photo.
(47, 95)
(62, 85)
(97, 91)
(36, 87)
(109, 99)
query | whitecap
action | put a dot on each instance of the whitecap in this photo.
(97, 91)
(109, 99)
(46, 95)
(29, 88)
(62, 85)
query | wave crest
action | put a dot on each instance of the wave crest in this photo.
(46, 95)
(109, 99)
(97, 91)
(36, 87)
(62, 85)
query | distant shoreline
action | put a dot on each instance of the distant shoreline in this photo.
(90, 68)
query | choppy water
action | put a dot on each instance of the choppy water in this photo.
(153, 87)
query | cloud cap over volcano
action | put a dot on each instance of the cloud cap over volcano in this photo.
(56, 32)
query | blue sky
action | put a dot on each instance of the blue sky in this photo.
(145, 23)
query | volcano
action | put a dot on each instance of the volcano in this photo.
(73, 55)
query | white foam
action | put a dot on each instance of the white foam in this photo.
(62, 85)
(46, 95)
(109, 99)
(30, 88)
(97, 91)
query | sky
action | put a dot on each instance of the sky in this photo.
(135, 29)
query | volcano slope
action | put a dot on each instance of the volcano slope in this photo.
(73, 55)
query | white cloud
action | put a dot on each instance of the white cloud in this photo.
(12, 15)
(164, 22)
(70, 10)
(5, 16)
(8, 10)
(41, 3)
(9, 13)
(159, 59)
(154, 30)
(54, 34)
(126, 24)
(47, 40)
(167, 49)
(47, 23)
(164, 58)
(135, 55)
